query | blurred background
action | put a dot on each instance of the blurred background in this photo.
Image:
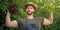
(44, 8)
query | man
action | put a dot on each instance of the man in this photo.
(30, 22)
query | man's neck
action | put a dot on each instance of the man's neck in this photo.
(30, 16)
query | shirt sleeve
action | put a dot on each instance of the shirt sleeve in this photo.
(21, 23)
(41, 19)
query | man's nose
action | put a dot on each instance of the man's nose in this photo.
(28, 10)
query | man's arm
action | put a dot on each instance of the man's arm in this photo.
(10, 23)
(49, 20)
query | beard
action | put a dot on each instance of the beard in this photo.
(29, 13)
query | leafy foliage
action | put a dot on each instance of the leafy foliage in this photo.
(44, 8)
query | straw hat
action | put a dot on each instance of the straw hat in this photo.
(30, 4)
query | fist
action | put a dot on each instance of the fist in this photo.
(13, 9)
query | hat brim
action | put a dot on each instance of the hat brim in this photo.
(34, 6)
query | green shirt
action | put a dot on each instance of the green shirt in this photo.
(22, 22)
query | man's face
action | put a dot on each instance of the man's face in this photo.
(30, 10)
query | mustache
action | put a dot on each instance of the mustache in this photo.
(28, 10)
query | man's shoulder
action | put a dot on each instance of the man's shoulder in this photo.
(21, 20)
(38, 18)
